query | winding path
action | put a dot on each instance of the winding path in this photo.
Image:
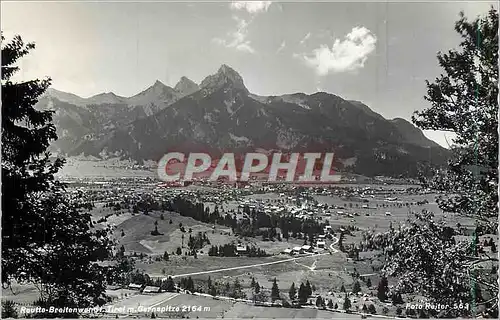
(332, 250)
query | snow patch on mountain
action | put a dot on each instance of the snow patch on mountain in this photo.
(286, 139)
(229, 104)
(198, 132)
(295, 100)
(349, 161)
(209, 117)
(402, 150)
(239, 139)
(260, 99)
(262, 112)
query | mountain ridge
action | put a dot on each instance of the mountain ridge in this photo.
(221, 114)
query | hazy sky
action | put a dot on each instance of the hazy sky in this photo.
(377, 52)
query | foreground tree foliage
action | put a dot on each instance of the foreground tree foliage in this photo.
(46, 238)
(464, 101)
(426, 255)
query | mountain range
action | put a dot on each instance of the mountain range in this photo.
(222, 115)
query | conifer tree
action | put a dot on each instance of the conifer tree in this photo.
(275, 291)
(330, 303)
(303, 294)
(382, 289)
(347, 303)
(292, 292)
(356, 287)
(46, 237)
(425, 255)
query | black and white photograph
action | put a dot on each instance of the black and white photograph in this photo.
(249, 159)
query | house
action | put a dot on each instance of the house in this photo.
(288, 251)
(151, 289)
(297, 249)
(134, 286)
(306, 248)
(321, 244)
(322, 236)
(241, 250)
(110, 287)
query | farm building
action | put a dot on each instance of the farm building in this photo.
(306, 248)
(288, 251)
(151, 289)
(134, 286)
(241, 250)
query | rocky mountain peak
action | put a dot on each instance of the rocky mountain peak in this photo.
(64, 97)
(106, 97)
(158, 87)
(158, 94)
(159, 84)
(186, 86)
(226, 77)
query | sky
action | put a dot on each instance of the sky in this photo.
(379, 53)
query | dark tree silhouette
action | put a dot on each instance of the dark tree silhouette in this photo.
(168, 285)
(464, 101)
(347, 303)
(275, 291)
(382, 289)
(356, 287)
(46, 238)
(292, 293)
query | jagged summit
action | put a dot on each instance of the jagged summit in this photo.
(106, 97)
(229, 73)
(224, 68)
(186, 86)
(158, 83)
(226, 77)
(65, 96)
(158, 94)
(105, 94)
(157, 88)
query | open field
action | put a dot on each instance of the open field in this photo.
(141, 300)
(207, 307)
(244, 311)
(375, 217)
(137, 234)
(21, 293)
(327, 272)
(178, 265)
(112, 168)
(216, 308)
